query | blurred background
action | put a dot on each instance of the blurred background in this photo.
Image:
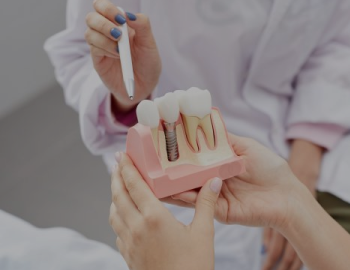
(47, 177)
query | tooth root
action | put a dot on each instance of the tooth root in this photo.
(207, 127)
(191, 124)
(155, 138)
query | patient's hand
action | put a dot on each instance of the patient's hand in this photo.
(149, 237)
(262, 196)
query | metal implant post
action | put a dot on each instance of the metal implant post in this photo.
(171, 141)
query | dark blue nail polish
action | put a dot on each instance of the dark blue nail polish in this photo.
(117, 49)
(131, 16)
(115, 33)
(263, 249)
(120, 19)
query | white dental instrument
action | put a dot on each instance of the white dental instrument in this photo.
(126, 61)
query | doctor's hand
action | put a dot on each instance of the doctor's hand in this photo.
(262, 196)
(103, 34)
(149, 237)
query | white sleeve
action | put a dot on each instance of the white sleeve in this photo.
(83, 88)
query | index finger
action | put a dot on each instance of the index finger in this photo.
(110, 11)
(139, 191)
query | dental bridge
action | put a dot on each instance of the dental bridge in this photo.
(181, 142)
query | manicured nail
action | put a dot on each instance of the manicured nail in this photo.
(115, 33)
(215, 185)
(263, 249)
(118, 156)
(132, 17)
(117, 49)
(120, 19)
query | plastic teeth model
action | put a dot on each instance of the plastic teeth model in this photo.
(148, 115)
(174, 154)
(168, 107)
(195, 106)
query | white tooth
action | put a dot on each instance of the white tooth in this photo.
(179, 94)
(168, 108)
(148, 115)
(196, 102)
(195, 107)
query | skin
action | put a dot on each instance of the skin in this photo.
(149, 237)
(305, 161)
(103, 46)
(267, 194)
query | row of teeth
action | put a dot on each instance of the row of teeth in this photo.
(194, 105)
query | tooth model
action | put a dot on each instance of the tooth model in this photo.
(169, 111)
(175, 154)
(148, 115)
(195, 107)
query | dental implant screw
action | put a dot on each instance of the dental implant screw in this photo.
(171, 141)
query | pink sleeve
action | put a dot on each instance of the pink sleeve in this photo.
(110, 122)
(325, 135)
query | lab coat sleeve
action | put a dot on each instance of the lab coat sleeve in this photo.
(320, 109)
(83, 88)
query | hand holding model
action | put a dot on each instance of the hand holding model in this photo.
(103, 34)
(149, 237)
(267, 194)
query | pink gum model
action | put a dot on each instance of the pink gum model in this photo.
(171, 180)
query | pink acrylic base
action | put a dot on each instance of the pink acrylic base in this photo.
(170, 181)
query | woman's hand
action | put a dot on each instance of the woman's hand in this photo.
(149, 237)
(103, 34)
(262, 196)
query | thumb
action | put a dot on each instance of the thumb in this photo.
(206, 203)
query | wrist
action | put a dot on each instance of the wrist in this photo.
(295, 213)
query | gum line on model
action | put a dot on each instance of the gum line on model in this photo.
(181, 142)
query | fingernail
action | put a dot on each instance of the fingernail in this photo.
(215, 185)
(118, 156)
(115, 33)
(263, 249)
(120, 19)
(132, 17)
(117, 49)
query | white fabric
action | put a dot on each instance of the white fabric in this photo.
(24, 247)
(267, 67)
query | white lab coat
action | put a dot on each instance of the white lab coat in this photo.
(298, 72)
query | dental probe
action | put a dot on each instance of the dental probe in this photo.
(125, 60)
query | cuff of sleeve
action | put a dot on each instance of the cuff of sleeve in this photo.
(325, 135)
(109, 122)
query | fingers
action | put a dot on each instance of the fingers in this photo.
(239, 144)
(170, 200)
(126, 208)
(97, 52)
(274, 251)
(98, 40)
(189, 197)
(136, 186)
(97, 22)
(267, 234)
(109, 11)
(117, 224)
(290, 259)
(206, 204)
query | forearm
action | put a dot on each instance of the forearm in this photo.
(305, 161)
(321, 243)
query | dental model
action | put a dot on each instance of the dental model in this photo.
(148, 115)
(169, 111)
(195, 107)
(181, 142)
